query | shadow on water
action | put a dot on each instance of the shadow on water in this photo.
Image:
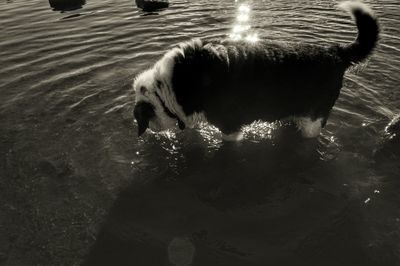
(66, 5)
(245, 204)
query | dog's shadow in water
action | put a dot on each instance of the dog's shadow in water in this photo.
(247, 173)
(233, 207)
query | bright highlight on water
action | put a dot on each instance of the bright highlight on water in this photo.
(241, 28)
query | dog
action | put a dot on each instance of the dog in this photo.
(231, 84)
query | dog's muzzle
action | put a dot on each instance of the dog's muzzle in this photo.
(143, 113)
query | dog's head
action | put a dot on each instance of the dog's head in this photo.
(150, 110)
(154, 100)
(156, 105)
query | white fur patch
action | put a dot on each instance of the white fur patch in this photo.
(308, 127)
(147, 80)
(162, 72)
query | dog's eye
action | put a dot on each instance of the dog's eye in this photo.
(143, 89)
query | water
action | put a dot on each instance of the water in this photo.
(78, 185)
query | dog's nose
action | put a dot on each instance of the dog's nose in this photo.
(143, 112)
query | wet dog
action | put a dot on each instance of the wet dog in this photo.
(231, 84)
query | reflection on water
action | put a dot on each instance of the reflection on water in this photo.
(241, 29)
(76, 184)
(66, 5)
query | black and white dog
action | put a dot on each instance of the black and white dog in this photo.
(231, 84)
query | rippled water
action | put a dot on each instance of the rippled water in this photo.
(78, 185)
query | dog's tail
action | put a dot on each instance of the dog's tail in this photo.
(368, 31)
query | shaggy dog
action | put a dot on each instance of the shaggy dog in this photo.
(232, 84)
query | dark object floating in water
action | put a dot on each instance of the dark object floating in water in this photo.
(152, 5)
(66, 5)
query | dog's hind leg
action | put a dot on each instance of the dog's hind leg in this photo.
(310, 128)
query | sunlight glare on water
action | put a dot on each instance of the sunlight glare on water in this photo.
(241, 29)
(211, 135)
(260, 130)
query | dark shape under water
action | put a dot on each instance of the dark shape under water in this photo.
(66, 5)
(152, 5)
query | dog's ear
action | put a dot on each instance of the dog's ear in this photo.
(143, 112)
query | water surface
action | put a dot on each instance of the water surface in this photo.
(76, 184)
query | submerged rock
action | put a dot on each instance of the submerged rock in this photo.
(152, 5)
(66, 5)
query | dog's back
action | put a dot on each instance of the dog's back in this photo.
(268, 80)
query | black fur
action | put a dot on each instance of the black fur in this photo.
(266, 80)
(368, 33)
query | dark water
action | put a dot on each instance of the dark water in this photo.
(78, 185)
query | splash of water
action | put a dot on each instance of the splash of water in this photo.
(259, 130)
